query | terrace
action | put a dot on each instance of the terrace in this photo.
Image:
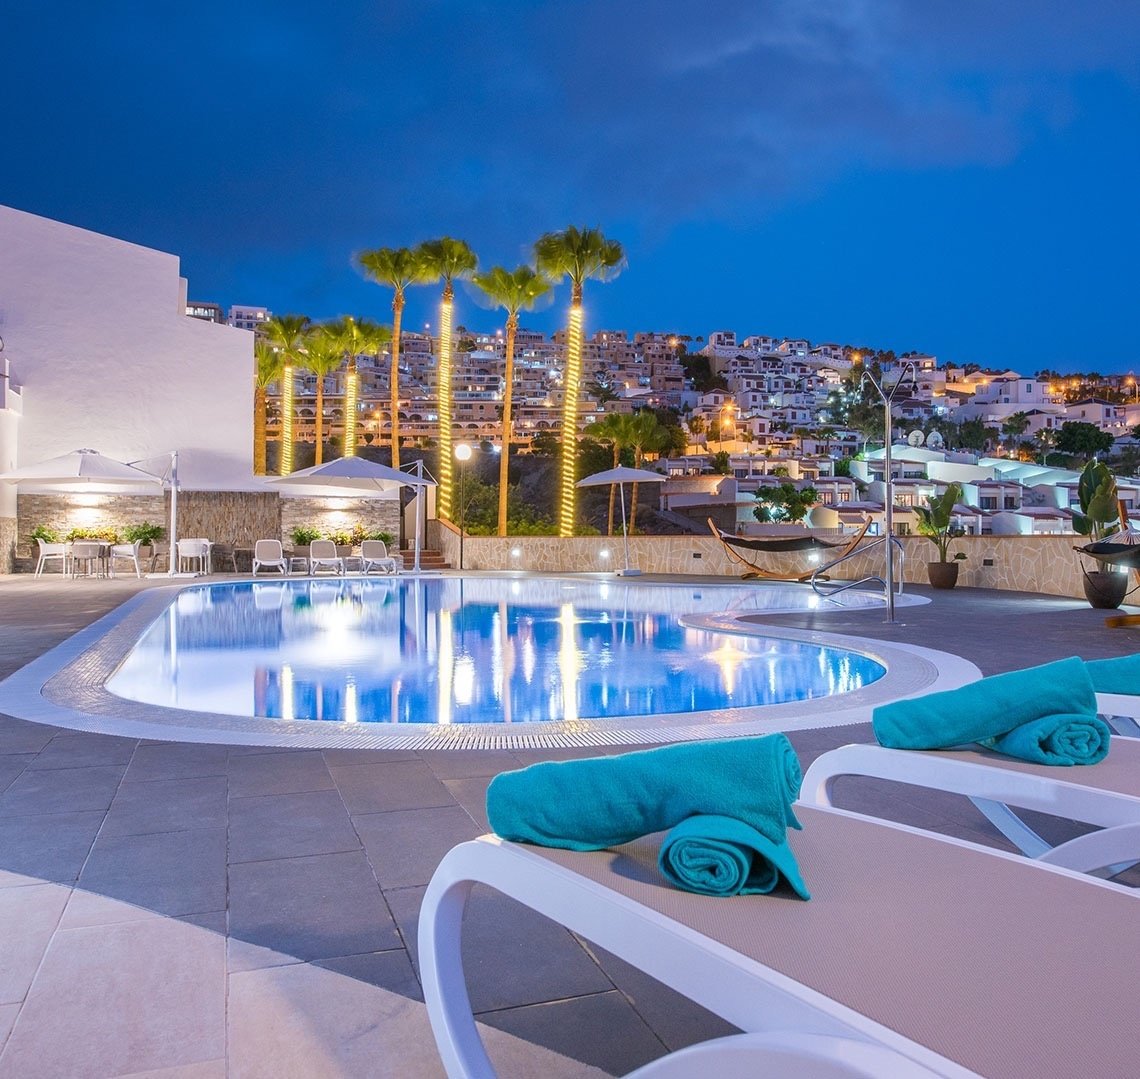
(211, 910)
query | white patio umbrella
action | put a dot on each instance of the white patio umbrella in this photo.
(621, 476)
(359, 477)
(79, 470)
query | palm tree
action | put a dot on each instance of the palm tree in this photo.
(579, 254)
(1014, 427)
(616, 431)
(514, 290)
(447, 260)
(646, 436)
(267, 370)
(323, 356)
(397, 268)
(351, 337)
(286, 335)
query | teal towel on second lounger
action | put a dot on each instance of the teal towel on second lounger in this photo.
(603, 802)
(723, 856)
(987, 708)
(1121, 675)
(1059, 740)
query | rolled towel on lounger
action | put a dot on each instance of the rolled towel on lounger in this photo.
(1120, 675)
(722, 856)
(1061, 740)
(603, 802)
(986, 708)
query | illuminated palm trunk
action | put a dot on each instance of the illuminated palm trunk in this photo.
(613, 491)
(394, 376)
(320, 420)
(445, 463)
(570, 388)
(286, 465)
(508, 426)
(351, 394)
(258, 430)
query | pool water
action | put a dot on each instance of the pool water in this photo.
(480, 650)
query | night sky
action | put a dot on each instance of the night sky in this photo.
(955, 177)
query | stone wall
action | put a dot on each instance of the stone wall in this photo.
(339, 514)
(1045, 564)
(238, 518)
(64, 511)
(7, 544)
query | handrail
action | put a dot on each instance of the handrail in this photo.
(897, 546)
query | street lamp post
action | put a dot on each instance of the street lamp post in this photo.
(462, 455)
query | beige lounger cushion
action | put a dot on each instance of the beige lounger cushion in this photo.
(1004, 967)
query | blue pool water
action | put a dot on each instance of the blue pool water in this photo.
(482, 650)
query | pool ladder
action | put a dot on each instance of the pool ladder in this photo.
(820, 588)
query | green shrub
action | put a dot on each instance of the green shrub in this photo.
(360, 534)
(303, 535)
(48, 535)
(341, 538)
(107, 535)
(145, 533)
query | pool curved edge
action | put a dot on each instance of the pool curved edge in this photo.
(66, 687)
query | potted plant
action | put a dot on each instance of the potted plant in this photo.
(343, 541)
(1099, 518)
(302, 536)
(42, 532)
(145, 535)
(935, 522)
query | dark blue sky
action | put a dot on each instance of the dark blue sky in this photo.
(958, 177)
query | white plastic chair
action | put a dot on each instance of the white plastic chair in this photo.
(374, 555)
(194, 552)
(270, 554)
(322, 555)
(127, 551)
(60, 552)
(86, 558)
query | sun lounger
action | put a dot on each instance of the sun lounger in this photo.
(958, 959)
(1106, 794)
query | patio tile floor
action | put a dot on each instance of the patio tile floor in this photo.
(214, 910)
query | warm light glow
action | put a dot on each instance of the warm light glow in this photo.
(444, 491)
(351, 391)
(89, 500)
(566, 503)
(351, 702)
(446, 666)
(286, 464)
(569, 663)
(287, 712)
(463, 452)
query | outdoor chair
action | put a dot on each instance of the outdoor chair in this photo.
(222, 554)
(270, 554)
(53, 552)
(374, 555)
(127, 552)
(87, 558)
(322, 555)
(194, 555)
(159, 552)
(955, 959)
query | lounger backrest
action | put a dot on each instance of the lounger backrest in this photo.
(322, 549)
(373, 549)
(268, 550)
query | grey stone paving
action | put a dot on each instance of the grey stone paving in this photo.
(295, 877)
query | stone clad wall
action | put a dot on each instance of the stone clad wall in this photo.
(63, 512)
(7, 544)
(1045, 564)
(336, 514)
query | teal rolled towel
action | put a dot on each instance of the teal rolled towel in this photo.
(1120, 675)
(603, 802)
(722, 856)
(986, 708)
(1060, 740)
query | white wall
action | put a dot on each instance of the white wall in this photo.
(97, 335)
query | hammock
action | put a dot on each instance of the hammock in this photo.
(740, 548)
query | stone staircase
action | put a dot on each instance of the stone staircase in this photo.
(429, 560)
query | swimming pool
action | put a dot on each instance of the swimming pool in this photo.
(457, 651)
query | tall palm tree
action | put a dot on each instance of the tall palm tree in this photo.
(266, 370)
(447, 260)
(616, 431)
(286, 334)
(396, 268)
(323, 356)
(515, 290)
(370, 338)
(579, 254)
(646, 436)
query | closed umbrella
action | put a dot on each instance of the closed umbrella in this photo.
(621, 476)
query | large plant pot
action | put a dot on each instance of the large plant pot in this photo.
(942, 574)
(1105, 591)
